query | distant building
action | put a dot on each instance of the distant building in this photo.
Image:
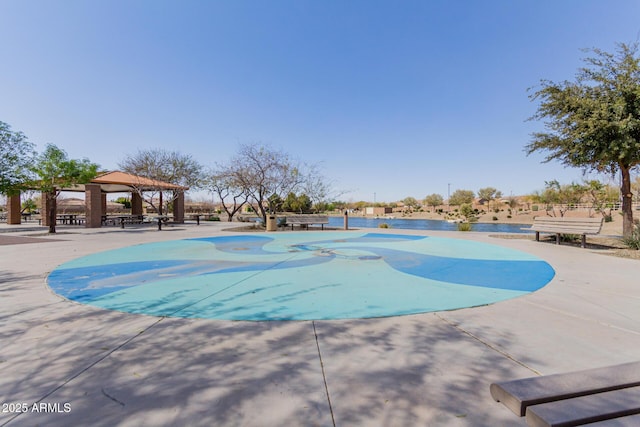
(370, 210)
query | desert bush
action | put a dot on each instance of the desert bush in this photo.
(464, 226)
(495, 218)
(383, 225)
(633, 241)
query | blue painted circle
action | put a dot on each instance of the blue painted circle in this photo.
(300, 276)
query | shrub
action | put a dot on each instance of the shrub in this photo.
(608, 218)
(569, 237)
(495, 218)
(508, 216)
(383, 225)
(466, 210)
(464, 226)
(212, 218)
(633, 241)
(534, 208)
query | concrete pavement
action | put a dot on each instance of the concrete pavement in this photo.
(81, 365)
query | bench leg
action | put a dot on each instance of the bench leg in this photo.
(557, 238)
(584, 240)
(537, 236)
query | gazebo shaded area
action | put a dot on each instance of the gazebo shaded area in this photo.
(95, 194)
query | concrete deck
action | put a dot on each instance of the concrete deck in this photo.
(432, 369)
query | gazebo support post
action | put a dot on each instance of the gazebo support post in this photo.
(178, 207)
(94, 206)
(13, 209)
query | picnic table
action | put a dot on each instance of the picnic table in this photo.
(67, 218)
(129, 219)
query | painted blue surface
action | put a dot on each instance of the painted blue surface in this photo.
(425, 224)
(307, 275)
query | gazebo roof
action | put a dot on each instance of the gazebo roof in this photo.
(122, 182)
(116, 181)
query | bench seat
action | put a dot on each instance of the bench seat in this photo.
(586, 409)
(571, 398)
(558, 226)
(306, 220)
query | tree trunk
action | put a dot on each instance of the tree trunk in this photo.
(53, 210)
(627, 209)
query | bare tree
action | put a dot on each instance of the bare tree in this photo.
(232, 196)
(160, 166)
(265, 175)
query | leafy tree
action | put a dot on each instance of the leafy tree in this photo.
(124, 201)
(460, 197)
(299, 204)
(489, 194)
(434, 200)
(360, 205)
(16, 156)
(56, 172)
(559, 197)
(28, 206)
(601, 197)
(411, 203)
(594, 122)
(166, 166)
(275, 203)
(466, 210)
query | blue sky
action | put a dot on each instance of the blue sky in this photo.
(392, 98)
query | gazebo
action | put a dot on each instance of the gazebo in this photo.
(96, 197)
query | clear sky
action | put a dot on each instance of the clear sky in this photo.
(392, 98)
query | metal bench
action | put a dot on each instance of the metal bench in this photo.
(306, 220)
(558, 226)
(609, 395)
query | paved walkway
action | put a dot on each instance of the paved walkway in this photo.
(86, 366)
